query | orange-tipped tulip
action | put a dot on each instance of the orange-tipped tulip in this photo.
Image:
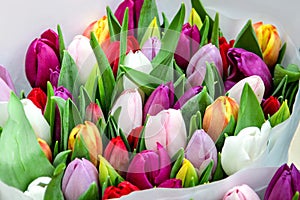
(46, 149)
(100, 29)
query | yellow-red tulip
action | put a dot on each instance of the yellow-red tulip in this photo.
(100, 29)
(46, 149)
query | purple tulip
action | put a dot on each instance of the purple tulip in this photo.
(149, 168)
(6, 84)
(188, 45)
(284, 184)
(162, 98)
(78, 177)
(171, 183)
(151, 47)
(244, 64)
(196, 69)
(187, 96)
(42, 55)
(54, 76)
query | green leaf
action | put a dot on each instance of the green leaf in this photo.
(213, 81)
(123, 39)
(164, 71)
(49, 113)
(204, 32)
(19, 143)
(178, 157)
(113, 25)
(195, 124)
(281, 115)
(194, 19)
(179, 86)
(247, 40)
(296, 196)
(141, 145)
(281, 53)
(228, 130)
(215, 32)
(91, 85)
(250, 111)
(91, 193)
(280, 86)
(61, 43)
(206, 174)
(61, 157)
(53, 190)
(165, 23)
(292, 72)
(151, 31)
(84, 101)
(219, 173)
(80, 150)
(55, 149)
(119, 88)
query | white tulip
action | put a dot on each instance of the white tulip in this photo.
(244, 149)
(256, 84)
(37, 188)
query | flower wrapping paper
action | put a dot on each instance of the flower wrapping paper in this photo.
(73, 16)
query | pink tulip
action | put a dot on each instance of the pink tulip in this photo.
(6, 84)
(243, 192)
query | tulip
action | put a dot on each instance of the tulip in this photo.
(99, 28)
(187, 174)
(151, 32)
(188, 45)
(134, 136)
(93, 113)
(201, 150)
(90, 135)
(195, 19)
(37, 188)
(78, 177)
(281, 115)
(187, 96)
(167, 128)
(217, 116)
(245, 64)
(131, 113)
(171, 183)
(224, 46)
(270, 106)
(238, 152)
(6, 84)
(269, 42)
(46, 149)
(242, 192)
(122, 189)
(139, 62)
(256, 84)
(284, 184)
(151, 47)
(38, 97)
(116, 154)
(149, 168)
(107, 173)
(162, 98)
(196, 69)
(42, 55)
(54, 76)
(83, 55)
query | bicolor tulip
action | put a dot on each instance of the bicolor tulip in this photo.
(134, 136)
(93, 113)
(149, 168)
(187, 96)
(89, 134)
(269, 42)
(83, 55)
(78, 177)
(37, 188)
(196, 69)
(122, 189)
(241, 192)
(201, 150)
(38, 97)
(99, 28)
(238, 152)
(284, 184)
(42, 55)
(256, 84)
(245, 64)
(131, 115)
(167, 128)
(217, 116)
(187, 46)
(224, 46)
(151, 47)
(187, 174)
(6, 84)
(270, 106)
(117, 155)
(46, 149)
(162, 98)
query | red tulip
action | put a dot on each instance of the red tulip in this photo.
(270, 106)
(122, 189)
(133, 137)
(224, 46)
(38, 97)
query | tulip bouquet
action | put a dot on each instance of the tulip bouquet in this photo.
(140, 103)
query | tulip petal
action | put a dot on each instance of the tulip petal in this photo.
(164, 165)
(5, 76)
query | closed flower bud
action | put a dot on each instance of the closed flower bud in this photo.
(6, 84)
(122, 189)
(38, 97)
(46, 149)
(151, 47)
(242, 192)
(187, 174)
(99, 28)
(270, 106)
(134, 136)
(93, 113)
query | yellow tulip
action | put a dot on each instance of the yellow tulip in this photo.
(100, 29)
(187, 174)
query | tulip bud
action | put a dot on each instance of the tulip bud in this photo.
(38, 97)
(46, 149)
(116, 154)
(6, 84)
(54, 76)
(134, 136)
(194, 19)
(171, 183)
(151, 32)
(90, 136)
(201, 150)
(187, 96)
(42, 55)
(131, 113)
(151, 47)
(93, 113)
(284, 184)
(244, 64)
(269, 42)
(108, 172)
(256, 84)
(187, 174)
(217, 116)
(162, 98)
(100, 29)
(242, 192)
(122, 189)
(281, 115)
(78, 177)
(196, 69)
(37, 188)
(188, 45)
(149, 168)
(224, 46)
(270, 106)
(237, 155)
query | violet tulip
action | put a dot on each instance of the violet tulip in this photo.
(149, 168)
(54, 76)
(41, 57)
(245, 64)
(187, 96)
(187, 46)
(123, 188)
(201, 150)
(196, 69)
(270, 106)
(93, 113)
(242, 192)
(167, 128)
(6, 84)
(284, 184)
(151, 47)
(162, 98)
(78, 177)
